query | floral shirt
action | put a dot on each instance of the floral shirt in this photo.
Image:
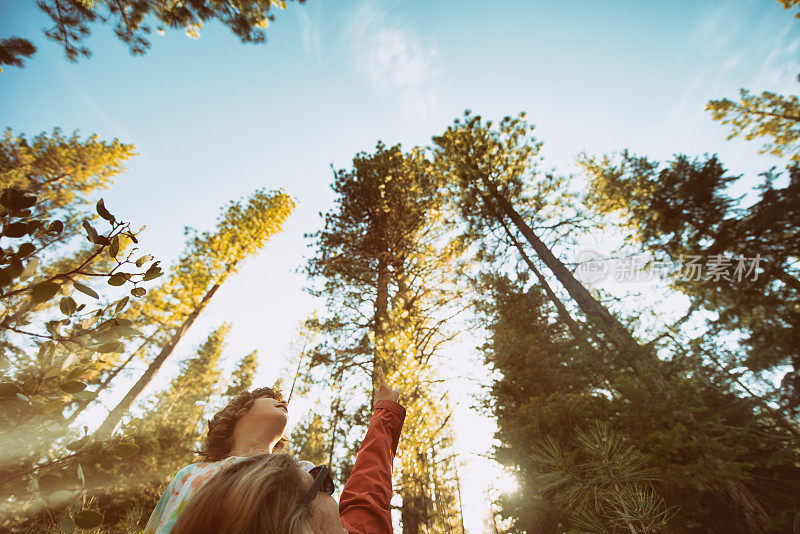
(186, 483)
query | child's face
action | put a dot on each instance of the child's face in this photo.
(271, 412)
(265, 414)
(268, 407)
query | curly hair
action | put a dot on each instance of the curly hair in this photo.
(219, 439)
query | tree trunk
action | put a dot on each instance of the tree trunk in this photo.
(460, 504)
(417, 502)
(296, 376)
(618, 334)
(562, 310)
(115, 416)
(336, 417)
(748, 506)
(381, 310)
(755, 517)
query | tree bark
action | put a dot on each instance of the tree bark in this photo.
(618, 334)
(381, 306)
(562, 310)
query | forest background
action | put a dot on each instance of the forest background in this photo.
(332, 81)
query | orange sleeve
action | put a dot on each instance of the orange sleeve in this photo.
(364, 505)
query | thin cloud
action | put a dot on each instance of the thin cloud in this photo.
(780, 66)
(757, 51)
(110, 123)
(394, 60)
(309, 32)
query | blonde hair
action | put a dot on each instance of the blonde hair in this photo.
(260, 494)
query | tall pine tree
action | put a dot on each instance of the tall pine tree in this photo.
(169, 310)
(384, 263)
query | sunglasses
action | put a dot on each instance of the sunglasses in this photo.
(322, 482)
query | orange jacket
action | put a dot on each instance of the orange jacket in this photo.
(364, 505)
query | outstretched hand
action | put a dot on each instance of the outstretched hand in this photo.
(384, 392)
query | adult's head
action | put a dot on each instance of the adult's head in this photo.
(253, 422)
(262, 493)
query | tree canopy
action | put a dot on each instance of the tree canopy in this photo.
(133, 21)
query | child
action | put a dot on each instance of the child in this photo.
(252, 423)
(260, 494)
(240, 440)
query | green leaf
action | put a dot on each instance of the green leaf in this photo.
(67, 306)
(76, 373)
(121, 303)
(138, 291)
(125, 450)
(51, 406)
(15, 268)
(34, 225)
(8, 389)
(53, 328)
(30, 386)
(5, 278)
(17, 229)
(133, 423)
(26, 249)
(118, 279)
(66, 524)
(85, 396)
(127, 331)
(30, 269)
(26, 201)
(153, 272)
(87, 519)
(77, 444)
(56, 227)
(69, 360)
(113, 250)
(85, 289)
(144, 259)
(21, 214)
(52, 372)
(14, 200)
(107, 335)
(91, 233)
(103, 212)
(72, 386)
(46, 351)
(44, 291)
(114, 346)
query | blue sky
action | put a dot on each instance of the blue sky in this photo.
(214, 119)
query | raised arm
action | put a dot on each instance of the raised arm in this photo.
(364, 506)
